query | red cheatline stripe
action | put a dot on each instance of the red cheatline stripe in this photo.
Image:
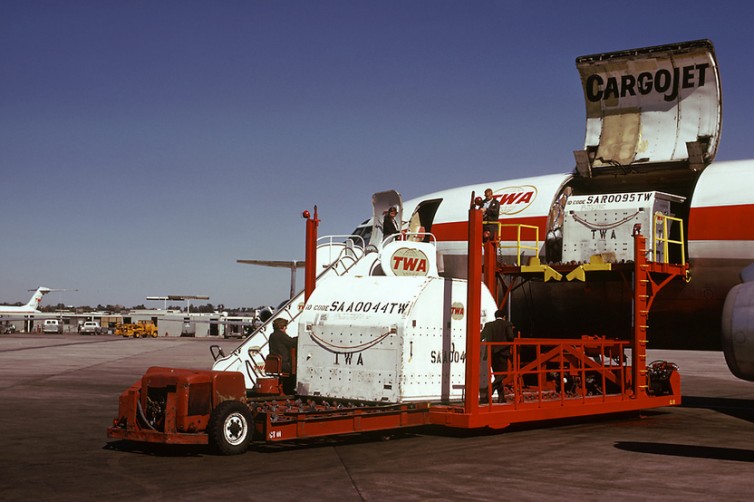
(722, 223)
(458, 231)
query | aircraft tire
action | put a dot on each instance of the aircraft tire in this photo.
(230, 428)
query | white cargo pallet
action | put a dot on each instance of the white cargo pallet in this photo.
(603, 224)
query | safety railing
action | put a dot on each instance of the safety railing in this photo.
(662, 238)
(411, 237)
(250, 354)
(519, 245)
(340, 244)
(550, 370)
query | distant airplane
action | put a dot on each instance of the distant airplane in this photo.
(32, 307)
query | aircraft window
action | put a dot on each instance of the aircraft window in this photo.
(364, 231)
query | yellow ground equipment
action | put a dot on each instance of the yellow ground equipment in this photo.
(140, 329)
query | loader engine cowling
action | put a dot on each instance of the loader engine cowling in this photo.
(171, 400)
(738, 330)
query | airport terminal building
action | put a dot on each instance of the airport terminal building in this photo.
(168, 322)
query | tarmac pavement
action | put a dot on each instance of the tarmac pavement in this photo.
(60, 393)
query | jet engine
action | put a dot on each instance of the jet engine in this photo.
(738, 330)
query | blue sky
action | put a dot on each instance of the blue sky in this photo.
(147, 145)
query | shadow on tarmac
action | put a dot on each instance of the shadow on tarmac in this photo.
(178, 450)
(158, 450)
(690, 451)
(737, 408)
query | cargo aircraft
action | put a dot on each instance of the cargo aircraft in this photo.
(653, 120)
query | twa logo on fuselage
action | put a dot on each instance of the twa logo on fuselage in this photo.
(515, 199)
(456, 311)
(409, 261)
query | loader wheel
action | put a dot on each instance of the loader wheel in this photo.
(230, 428)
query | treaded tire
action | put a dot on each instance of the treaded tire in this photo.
(230, 428)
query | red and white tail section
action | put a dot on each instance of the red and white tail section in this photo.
(31, 307)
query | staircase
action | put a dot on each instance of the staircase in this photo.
(341, 258)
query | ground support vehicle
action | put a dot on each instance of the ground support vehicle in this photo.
(147, 329)
(124, 330)
(141, 329)
(212, 407)
(548, 379)
(90, 328)
(52, 326)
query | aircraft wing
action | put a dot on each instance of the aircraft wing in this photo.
(275, 263)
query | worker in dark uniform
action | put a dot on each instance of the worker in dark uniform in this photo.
(281, 344)
(389, 225)
(499, 330)
(491, 213)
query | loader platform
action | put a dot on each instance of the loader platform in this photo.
(548, 378)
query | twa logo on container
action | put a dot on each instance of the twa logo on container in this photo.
(515, 199)
(409, 262)
(409, 259)
(456, 311)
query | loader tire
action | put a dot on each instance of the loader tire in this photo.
(230, 428)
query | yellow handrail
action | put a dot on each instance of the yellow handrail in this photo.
(518, 245)
(662, 238)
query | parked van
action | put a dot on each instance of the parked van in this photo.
(52, 326)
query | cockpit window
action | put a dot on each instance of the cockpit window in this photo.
(364, 231)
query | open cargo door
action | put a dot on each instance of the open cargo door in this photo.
(649, 107)
(381, 202)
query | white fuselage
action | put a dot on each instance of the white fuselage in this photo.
(717, 208)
